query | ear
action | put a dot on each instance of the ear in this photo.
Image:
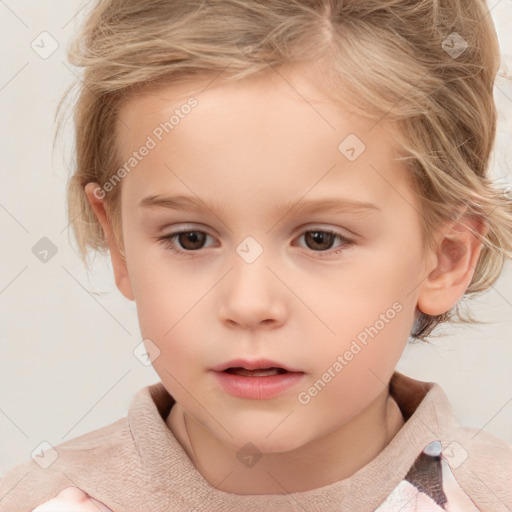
(95, 197)
(458, 250)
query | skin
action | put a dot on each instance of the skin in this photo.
(72, 499)
(251, 146)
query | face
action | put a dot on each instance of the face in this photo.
(275, 261)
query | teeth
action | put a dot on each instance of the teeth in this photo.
(255, 373)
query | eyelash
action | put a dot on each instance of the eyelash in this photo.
(168, 244)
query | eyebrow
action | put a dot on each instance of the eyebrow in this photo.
(323, 205)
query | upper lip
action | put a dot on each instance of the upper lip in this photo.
(255, 364)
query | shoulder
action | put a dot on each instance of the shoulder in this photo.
(476, 463)
(88, 461)
(481, 464)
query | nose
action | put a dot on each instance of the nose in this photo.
(252, 296)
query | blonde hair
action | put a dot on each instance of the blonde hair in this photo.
(427, 65)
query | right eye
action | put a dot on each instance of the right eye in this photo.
(190, 241)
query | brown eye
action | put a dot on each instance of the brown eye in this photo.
(183, 242)
(322, 242)
(191, 240)
(319, 240)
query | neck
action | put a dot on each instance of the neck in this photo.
(323, 461)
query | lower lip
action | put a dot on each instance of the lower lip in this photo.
(258, 388)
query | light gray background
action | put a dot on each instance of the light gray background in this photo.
(66, 361)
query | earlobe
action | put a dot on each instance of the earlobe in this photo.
(456, 259)
(118, 259)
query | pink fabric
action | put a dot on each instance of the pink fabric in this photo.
(137, 465)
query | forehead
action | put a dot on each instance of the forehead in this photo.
(289, 101)
(279, 131)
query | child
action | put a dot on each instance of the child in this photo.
(288, 190)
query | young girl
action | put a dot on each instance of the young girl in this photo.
(289, 191)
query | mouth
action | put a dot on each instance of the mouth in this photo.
(261, 372)
(256, 380)
(254, 368)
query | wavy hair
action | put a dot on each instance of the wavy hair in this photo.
(427, 65)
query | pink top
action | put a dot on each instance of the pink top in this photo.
(137, 465)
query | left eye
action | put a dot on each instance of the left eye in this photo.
(319, 241)
(324, 238)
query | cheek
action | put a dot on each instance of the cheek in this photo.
(160, 290)
(378, 282)
(370, 308)
(169, 307)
